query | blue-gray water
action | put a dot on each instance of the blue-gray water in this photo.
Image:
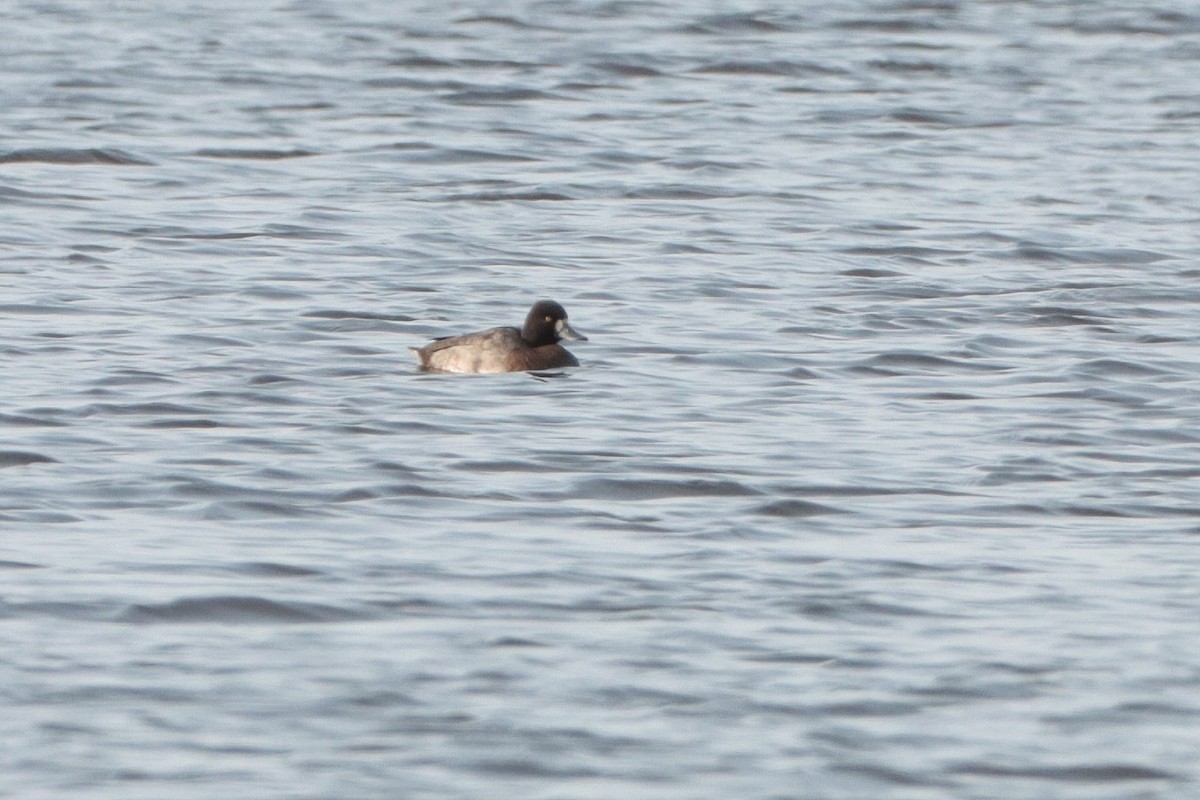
(879, 478)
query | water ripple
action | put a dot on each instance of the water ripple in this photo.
(235, 610)
(71, 156)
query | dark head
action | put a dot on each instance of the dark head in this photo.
(547, 323)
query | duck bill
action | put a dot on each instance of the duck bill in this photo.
(565, 331)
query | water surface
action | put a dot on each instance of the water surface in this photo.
(878, 478)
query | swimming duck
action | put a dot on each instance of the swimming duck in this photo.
(535, 346)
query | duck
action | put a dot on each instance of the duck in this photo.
(532, 347)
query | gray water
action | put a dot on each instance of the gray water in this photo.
(878, 478)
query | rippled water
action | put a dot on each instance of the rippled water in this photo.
(879, 478)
